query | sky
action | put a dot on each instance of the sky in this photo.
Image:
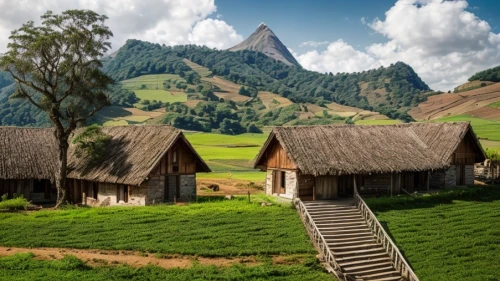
(444, 41)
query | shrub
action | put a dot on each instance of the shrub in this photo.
(17, 203)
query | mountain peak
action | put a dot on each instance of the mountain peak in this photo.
(265, 41)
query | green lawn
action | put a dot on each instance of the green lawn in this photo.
(221, 228)
(255, 176)
(482, 127)
(152, 81)
(22, 267)
(451, 236)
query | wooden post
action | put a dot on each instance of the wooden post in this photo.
(400, 185)
(314, 191)
(392, 184)
(355, 187)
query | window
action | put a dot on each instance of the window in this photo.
(175, 161)
(122, 193)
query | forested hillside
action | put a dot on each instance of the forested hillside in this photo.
(391, 91)
(492, 75)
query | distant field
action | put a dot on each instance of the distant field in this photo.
(483, 128)
(229, 90)
(226, 154)
(271, 100)
(450, 236)
(152, 81)
(120, 116)
(378, 122)
(203, 71)
(161, 95)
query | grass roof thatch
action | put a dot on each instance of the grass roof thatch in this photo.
(130, 155)
(354, 149)
(27, 153)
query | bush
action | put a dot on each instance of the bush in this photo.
(17, 203)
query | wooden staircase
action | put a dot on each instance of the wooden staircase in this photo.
(354, 248)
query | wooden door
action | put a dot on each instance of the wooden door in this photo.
(279, 182)
(172, 188)
(460, 174)
(326, 187)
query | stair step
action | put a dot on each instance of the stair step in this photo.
(390, 278)
(382, 274)
(357, 238)
(318, 224)
(362, 256)
(365, 262)
(338, 220)
(336, 217)
(367, 268)
(360, 247)
(326, 213)
(348, 243)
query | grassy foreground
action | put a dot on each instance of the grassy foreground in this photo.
(26, 267)
(220, 228)
(451, 236)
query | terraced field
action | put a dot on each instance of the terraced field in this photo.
(474, 103)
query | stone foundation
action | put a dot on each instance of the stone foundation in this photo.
(187, 188)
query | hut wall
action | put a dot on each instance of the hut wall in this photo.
(375, 183)
(156, 188)
(275, 157)
(469, 174)
(450, 177)
(187, 188)
(136, 195)
(186, 160)
(326, 187)
(306, 187)
(269, 182)
(437, 179)
(26, 187)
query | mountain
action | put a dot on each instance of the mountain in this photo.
(265, 41)
(492, 75)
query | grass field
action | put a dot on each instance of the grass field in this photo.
(22, 267)
(454, 235)
(225, 154)
(203, 71)
(220, 228)
(152, 82)
(161, 95)
(482, 127)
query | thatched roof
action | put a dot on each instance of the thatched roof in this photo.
(132, 153)
(354, 149)
(27, 153)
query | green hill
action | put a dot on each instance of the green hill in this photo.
(492, 75)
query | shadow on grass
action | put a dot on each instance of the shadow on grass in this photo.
(445, 196)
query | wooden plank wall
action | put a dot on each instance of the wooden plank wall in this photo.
(326, 187)
(306, 186)
(275, 157)
(466, 151)
(186, 161)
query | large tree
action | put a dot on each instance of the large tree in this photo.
(56, 66)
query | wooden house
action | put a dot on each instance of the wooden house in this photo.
(142, 165)
(327, 162)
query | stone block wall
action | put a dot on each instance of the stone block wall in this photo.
(451, 177)
(137, 195)
(187, 188)
(469, 174)
(155, 187)
(290, 185)
(269, 182)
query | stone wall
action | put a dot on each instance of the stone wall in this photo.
(137, 195)
(187, 188)
(269, 182)
(451, 177)
(290, 185)
(437, 179)
(155, 187)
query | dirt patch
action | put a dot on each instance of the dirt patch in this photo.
(226, 187)
(131, 258)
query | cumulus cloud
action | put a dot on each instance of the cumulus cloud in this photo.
(338, 57)
(313, 43)
(441, 40)
(169, 22)
(214, 33)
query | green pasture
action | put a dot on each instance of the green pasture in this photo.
(378, 122)
(152, 81)
(212, 229)
(161, 95)
(484, 128)
(454, 235)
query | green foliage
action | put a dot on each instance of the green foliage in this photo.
(91, 143)
(492, 74)
(493, 155)
(224, 228)
(18, 203)
(447, 236)
(26, 267)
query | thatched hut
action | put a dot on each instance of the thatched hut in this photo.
(326, 162)
(141, 165)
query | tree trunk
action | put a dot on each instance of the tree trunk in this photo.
(62, 169)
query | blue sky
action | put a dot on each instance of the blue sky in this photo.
(297, 21)
(444, 41)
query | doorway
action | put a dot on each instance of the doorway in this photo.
(172, 188)
(279, 182)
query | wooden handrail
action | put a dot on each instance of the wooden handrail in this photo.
(383, 238)
(320, 243)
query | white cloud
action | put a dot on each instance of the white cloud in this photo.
(215, 34)
(441, 40)
(338, 57)
(313, 43)
(167, 22)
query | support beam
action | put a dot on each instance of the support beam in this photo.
(428, 180)
(392, 184)
(355, 187)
